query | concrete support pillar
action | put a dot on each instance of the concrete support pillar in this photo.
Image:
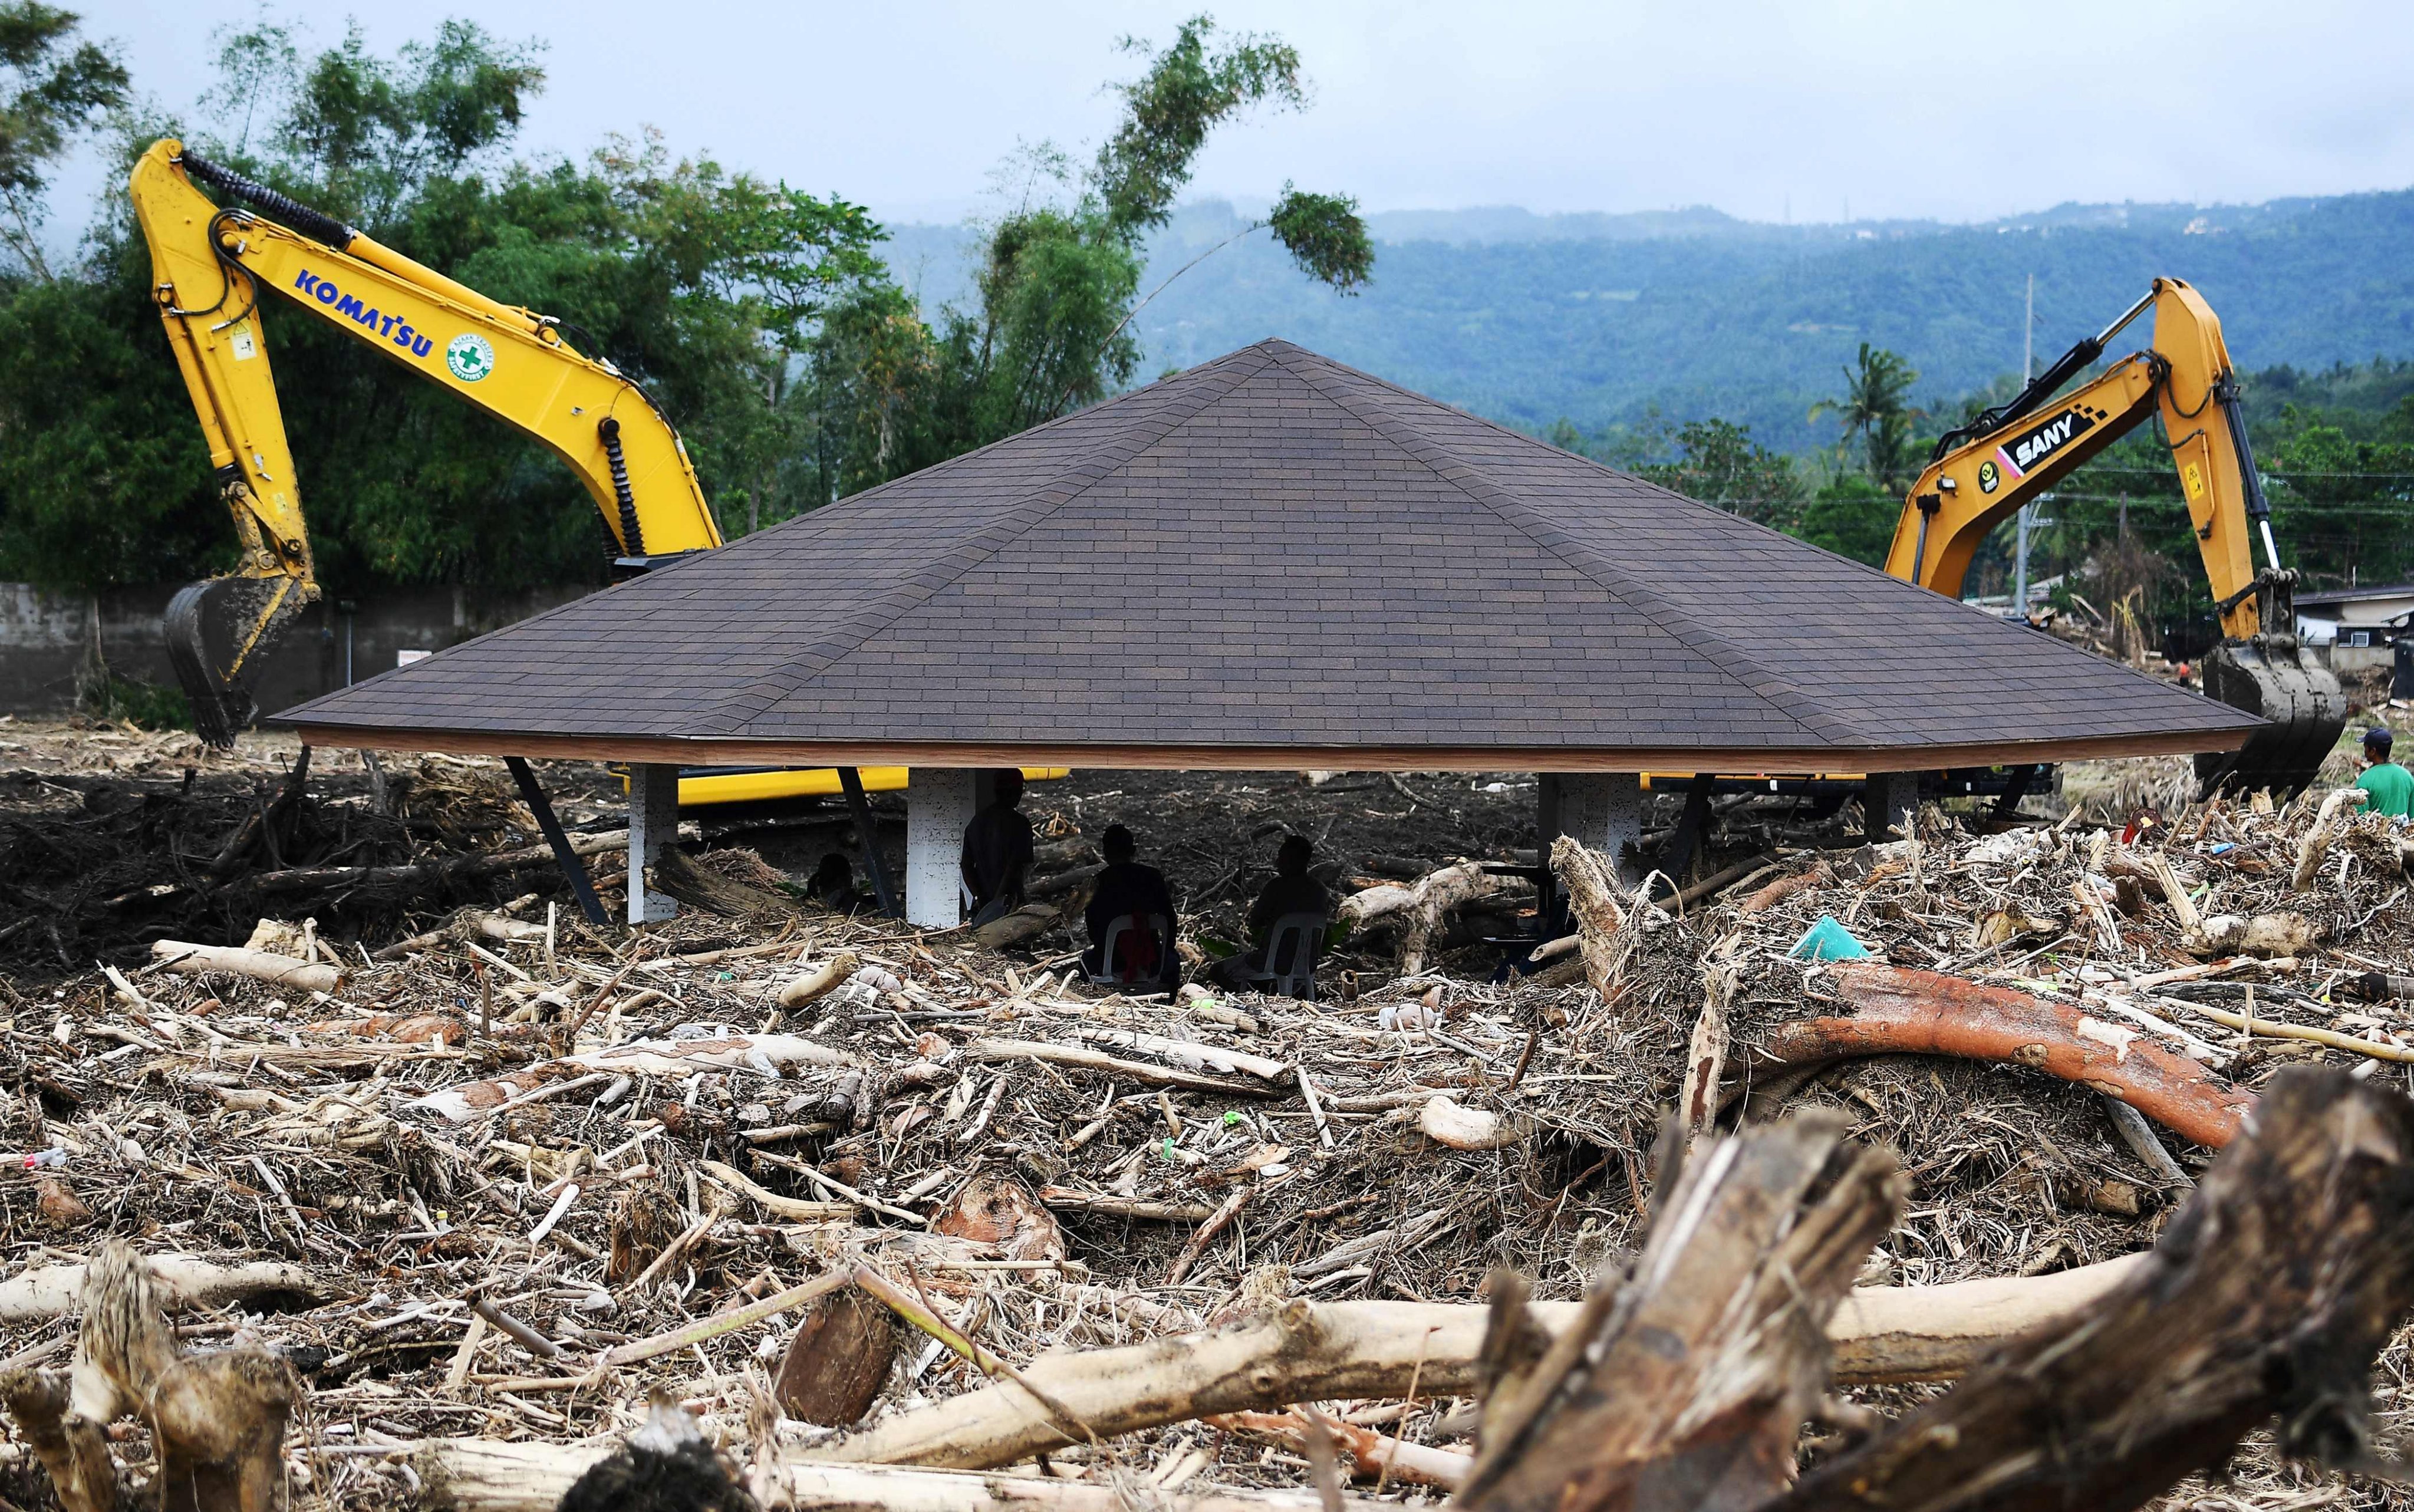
(653, 828)
(1889, 805)
(939, 803)
(1602, 810)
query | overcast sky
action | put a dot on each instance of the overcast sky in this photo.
(1927, 108)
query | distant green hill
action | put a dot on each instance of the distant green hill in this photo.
(1599, 318)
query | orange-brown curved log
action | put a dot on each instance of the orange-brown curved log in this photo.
(1900, 1011)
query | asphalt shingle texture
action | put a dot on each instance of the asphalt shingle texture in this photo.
(1274, 550)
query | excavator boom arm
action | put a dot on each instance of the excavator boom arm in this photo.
(1981, 480)
(2012, 456)
(210, 266)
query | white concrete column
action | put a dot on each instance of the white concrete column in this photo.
(653, 828)
(939, 803)
(1602, 810)
(1889, 805)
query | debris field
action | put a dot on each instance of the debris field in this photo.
(487, 1188)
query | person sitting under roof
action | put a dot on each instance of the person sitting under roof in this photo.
(1127, 889)
(1292, 891)
(997, 852)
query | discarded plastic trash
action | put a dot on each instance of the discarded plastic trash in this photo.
(43, 1159)
(1829, 941)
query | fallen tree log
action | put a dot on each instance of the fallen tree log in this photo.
(490, 1475)
(180, 1282)
(1421, 907)
(186, 959)
(2270, 1294)
(1687, 1387)
(1899, 1011)
(1309, 1352)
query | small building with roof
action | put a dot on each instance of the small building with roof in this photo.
(1270, 562)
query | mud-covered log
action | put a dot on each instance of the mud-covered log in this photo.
(2267, 1296)
(1898, 1012)
(1685, 1389)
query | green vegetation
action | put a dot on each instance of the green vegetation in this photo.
(761, 318)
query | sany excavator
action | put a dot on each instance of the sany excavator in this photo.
(1984, 472)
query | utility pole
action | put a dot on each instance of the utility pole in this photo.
(2020, 547)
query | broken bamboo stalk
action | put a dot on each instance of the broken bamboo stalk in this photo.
(1070, 1055)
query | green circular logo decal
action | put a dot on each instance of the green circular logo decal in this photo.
(1989, 476)
(469, 356)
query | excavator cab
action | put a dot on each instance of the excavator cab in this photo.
(1983, 472)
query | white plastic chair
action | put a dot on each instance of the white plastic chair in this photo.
(1292, 945)
(1158, 928)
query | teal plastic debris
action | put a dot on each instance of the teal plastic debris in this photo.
(1829, 941)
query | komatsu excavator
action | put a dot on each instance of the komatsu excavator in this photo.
(210, 264)
(2008, 456)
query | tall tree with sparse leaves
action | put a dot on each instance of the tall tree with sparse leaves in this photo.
(52, 86)
(1058, 282)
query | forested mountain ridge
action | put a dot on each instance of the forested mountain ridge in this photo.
(1601, 319)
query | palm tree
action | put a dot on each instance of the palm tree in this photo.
(1872, 409)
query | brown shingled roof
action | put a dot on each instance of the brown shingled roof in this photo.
(1274, 561)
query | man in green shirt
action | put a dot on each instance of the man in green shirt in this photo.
(2388, 788)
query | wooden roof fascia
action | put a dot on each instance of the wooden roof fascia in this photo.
(1741, 761)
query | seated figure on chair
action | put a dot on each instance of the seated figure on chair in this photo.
(997, 852)
(1291, 892)
(1129, 890)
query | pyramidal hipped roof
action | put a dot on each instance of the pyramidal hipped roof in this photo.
(1273, 561)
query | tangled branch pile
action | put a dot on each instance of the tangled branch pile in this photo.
(867, 1208)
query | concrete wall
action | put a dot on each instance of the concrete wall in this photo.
(46, 641)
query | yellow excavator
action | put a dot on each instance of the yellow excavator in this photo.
(209, 261)
(210, 264)
(1984, 472)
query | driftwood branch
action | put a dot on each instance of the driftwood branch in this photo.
(488, 1475)
(1310, 1352)
(1603, 929)
(278, 971)
(178, 1280)
(2269, 1294)
(1898, 1012)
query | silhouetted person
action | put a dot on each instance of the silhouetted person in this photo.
(833, 882)
(997, 852)
(1292, 891)
(1125, 887)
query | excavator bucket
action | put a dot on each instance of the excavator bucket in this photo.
(218, 631)
(2276, 676)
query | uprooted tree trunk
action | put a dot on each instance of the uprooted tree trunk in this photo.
(2270, 1294)
(1687, 1386)
(1606, 928)
(1422, 907)
(217, 1421)
(1899, 1011)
